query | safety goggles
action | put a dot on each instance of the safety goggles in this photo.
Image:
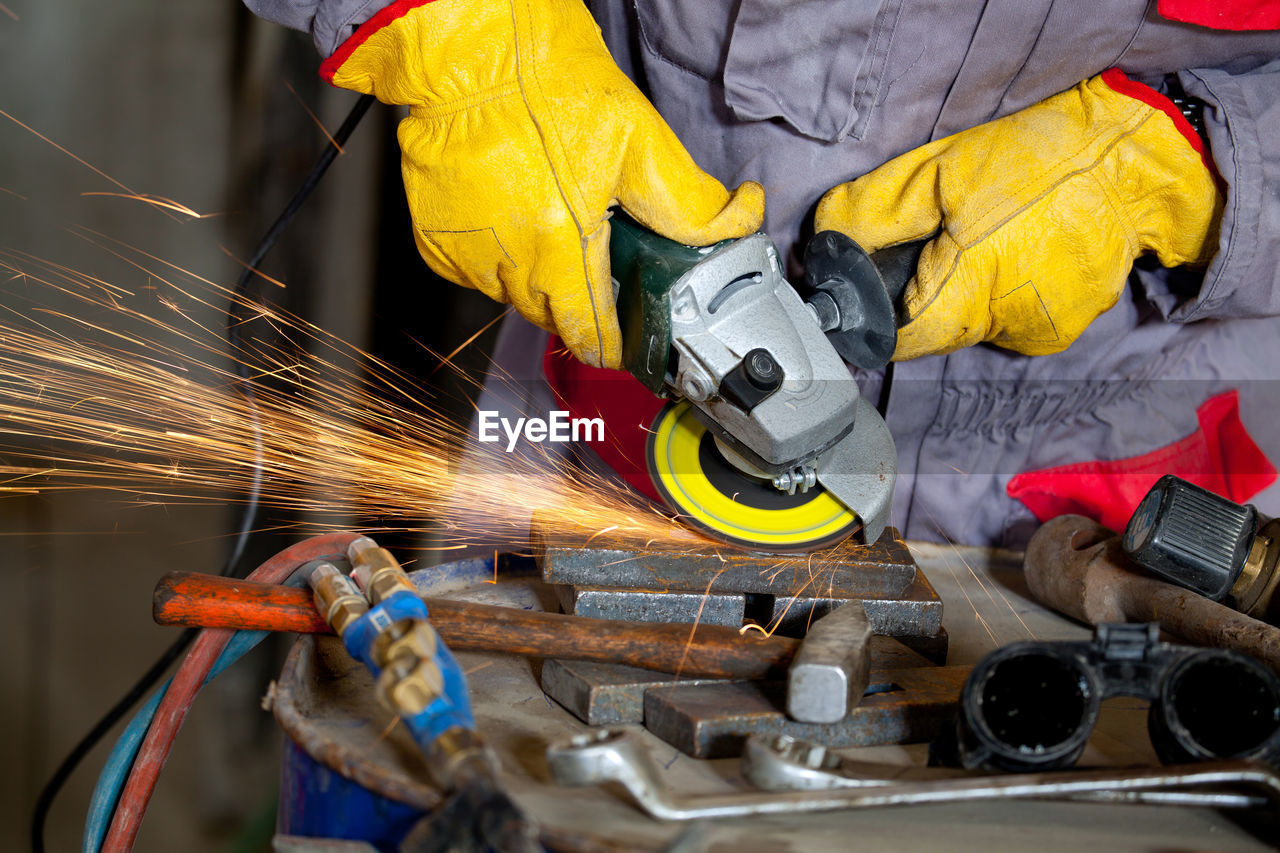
(1032, 706)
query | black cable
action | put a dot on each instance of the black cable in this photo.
(237, 311)
(104, 725)
(236, 316)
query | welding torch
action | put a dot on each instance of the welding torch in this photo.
(384, 624)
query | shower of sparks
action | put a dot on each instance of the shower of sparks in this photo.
(78, 159)
(254, 270)
(135, 395)
(156, 201)
(314, 117)
(986, 587)
(132, 391)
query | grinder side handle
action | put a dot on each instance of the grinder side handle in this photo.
(856, 295)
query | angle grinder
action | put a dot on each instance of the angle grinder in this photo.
(766, 442)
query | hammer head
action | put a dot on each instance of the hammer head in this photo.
(831, 670)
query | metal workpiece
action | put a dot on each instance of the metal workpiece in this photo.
(714, 721)
(883, 570)
(616, 756)
(833, 667)
(337, 597)
(824, 686)
(1079, 568)
(607, 694)
(652, 606)
(916, 613)
(603, 694)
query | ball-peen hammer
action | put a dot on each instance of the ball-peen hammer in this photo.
(829, 676)
(707, 651)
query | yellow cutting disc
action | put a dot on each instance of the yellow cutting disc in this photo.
(696, 480)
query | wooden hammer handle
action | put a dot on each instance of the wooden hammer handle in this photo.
(709, 651)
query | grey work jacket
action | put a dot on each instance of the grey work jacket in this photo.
(801, 96)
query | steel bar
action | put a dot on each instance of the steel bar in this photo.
(917, 612)
(849, 570)
(602, 694)
(714, 721)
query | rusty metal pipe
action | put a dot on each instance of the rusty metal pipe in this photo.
(1077, 567)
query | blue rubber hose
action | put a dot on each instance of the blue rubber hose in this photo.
(102, 805)
(111, 779)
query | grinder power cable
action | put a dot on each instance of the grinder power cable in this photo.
(766, 442)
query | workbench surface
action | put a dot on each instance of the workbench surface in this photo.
(986, 604)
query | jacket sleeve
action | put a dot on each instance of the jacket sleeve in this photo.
(330, 22)
(1242, 120)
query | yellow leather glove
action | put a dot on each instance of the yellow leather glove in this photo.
(521, 133)
(1042, 214)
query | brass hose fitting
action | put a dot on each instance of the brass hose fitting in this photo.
(337, 598)
(376, 571)
(1254, 592)
(408, 638)
(408, 685)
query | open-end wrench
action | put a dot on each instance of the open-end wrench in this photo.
(617, 755)
(784, 763)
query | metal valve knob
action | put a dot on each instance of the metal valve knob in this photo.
(1203, 542)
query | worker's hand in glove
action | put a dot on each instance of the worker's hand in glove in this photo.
(521, 133)
(1038, 215)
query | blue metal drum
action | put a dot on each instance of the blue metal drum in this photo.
(317, 802)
